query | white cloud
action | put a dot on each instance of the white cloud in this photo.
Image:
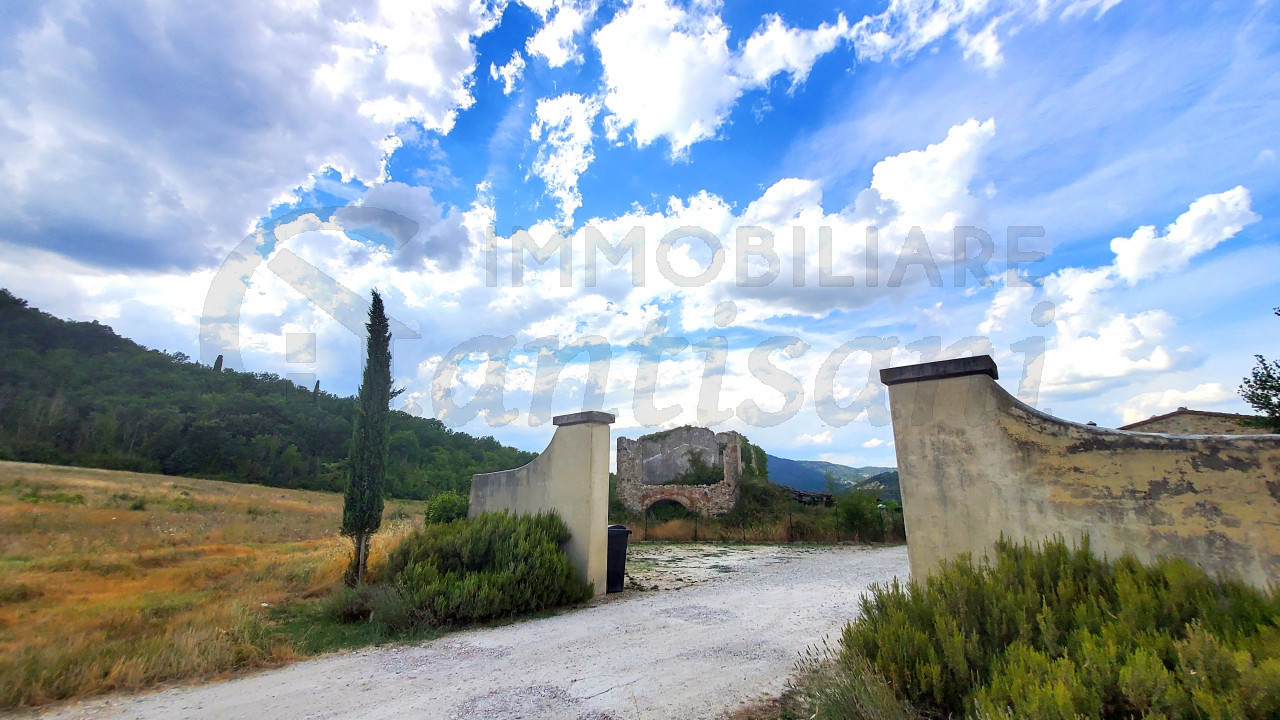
(510, 73)
(542, 7)
(556, 41)
(822, 438)
(874, 443)
(241, 103)
(1095, 344)
(669, 71)
(437, 240)
(159, 310)
(908, 26)
(1141, 407)
(1010, 299)
(982, 45)
(926, 188)
(565, 122)
(1209, 221)
(776, 48)
(931, 186)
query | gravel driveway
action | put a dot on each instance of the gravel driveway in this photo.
(730, 629)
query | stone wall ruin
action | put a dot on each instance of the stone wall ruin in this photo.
(648, 465)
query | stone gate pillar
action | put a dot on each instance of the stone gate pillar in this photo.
(571, 477)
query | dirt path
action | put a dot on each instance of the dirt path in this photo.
(730, 629)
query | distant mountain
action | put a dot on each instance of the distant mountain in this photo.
(810, 476)
(884, 484)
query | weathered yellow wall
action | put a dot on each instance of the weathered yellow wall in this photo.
(571, 477)
(975, 464)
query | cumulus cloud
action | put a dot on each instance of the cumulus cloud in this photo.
(436, 266)
(433, 239)
(777, 48)
(161, 310)
(833, 267)
(563, 125)
(982, 46)
(1209, 221)
(123, 128)
(1095, 345)
(669, 72)
(1010, 299)
(822, 438)
(930, 187)
(624, 318)
(556, 42)
(874, 443)
(1141, 407)
(510, 73)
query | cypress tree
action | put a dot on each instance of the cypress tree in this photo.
(367, 464)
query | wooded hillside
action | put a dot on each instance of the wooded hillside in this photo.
(76, 393)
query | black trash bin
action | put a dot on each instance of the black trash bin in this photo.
(616, 569)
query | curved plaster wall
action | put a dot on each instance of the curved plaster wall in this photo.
(571, 477)
(976, 463)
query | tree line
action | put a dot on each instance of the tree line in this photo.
(76, 393)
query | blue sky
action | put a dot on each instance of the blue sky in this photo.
(144, 154)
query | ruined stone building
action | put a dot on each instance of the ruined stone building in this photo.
(674, 465)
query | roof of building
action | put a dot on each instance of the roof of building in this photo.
(1184, 411)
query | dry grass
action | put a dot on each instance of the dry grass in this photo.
(711, 529)
(118, 581)
(785, 706)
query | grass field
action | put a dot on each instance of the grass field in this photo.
(120, 581)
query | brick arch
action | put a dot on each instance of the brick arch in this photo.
(679, 501)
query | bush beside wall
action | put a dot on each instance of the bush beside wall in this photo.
(446, 507)
(494, 566)
(1056, 632)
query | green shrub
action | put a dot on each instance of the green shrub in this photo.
(34, 496)
(858, 513)
(811, 525)
(1057, 632)
(896, 526)
(446, 507)
(618, 512)
(495, 565)
(386, 604)
(759, 501)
